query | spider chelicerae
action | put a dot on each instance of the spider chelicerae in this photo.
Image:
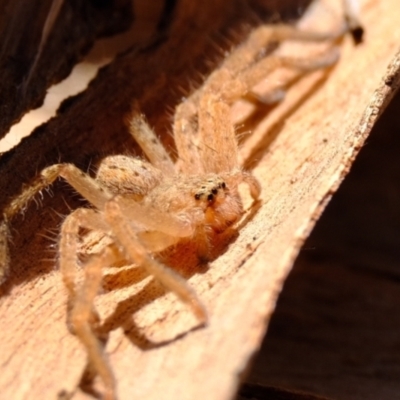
(141, 207)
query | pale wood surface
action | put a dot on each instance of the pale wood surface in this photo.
(300, 160)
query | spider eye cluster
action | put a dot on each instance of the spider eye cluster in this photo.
(209, 192)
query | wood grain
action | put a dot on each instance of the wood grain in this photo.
(300, 152)
(335, 331)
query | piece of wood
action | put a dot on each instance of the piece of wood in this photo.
(74, 28)
(334, 333)
(299, 152)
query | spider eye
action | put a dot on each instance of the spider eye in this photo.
(223, 185)
(214, 191)
(197, 196)
(210, 197)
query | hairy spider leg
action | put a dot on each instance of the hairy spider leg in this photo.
(80, 181)
(150, 144)
(81, 315)
(135, 251)
(239, 72)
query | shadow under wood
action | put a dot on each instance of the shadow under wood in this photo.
(123, 317)
(183, 259)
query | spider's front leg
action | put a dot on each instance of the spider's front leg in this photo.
(117, 214)
(81, 182)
